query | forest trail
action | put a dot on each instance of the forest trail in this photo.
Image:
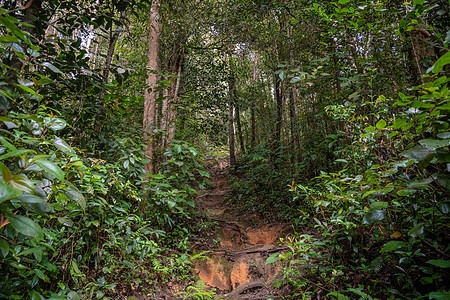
(239, 247)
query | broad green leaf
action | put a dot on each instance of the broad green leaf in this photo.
(392, 246)
(14, 29)
(73, 296)
(341, 160)
(439, 295)
(8, 39)
(4, 247)
(441, 62)
(426, 280)
(381, 124)
(5, 172)
(55, 124)
(74, 194)
(16, 153)
(75, 267)
(421, 183)
(25, 226)
(41, 275)
(171, 203)
(203, 173)
(273, 258)
(65, 221)
(29, 90)
(442, 179)
(359, 293)
(444, 135)
(51, 168)
(418, 153)
(379, 205)
(434, 144)
(61, 145)
(31, 250)
(7, 192)
(368, 193)
(416, 230)
(21, 182)
(295, 79)
(7, 144)
(52, 67)
(406, 192)
(398, 123)
(440, 263)
(33, 203)
(193, 152)
(419, 2)
(177, 149)
(28, 198)
(373, 216)
(338, 296)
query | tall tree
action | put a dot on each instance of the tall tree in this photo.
(151, 92)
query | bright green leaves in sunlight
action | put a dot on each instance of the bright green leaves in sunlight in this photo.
(440, 63)
(381, 124)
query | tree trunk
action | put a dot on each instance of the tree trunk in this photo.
(173, 109)
(231, 86)
(109, 56)
(170, 102)
(253, 104)
(421, 53)
(279, 121)
(151, 84)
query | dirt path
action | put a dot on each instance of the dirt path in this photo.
(239, 248)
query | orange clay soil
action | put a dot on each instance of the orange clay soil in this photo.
(236, 267)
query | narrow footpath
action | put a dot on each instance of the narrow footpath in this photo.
(236, 266)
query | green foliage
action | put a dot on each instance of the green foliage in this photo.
(199, 291)
(386, 217)
(73, 219)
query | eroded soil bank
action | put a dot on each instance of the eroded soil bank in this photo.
(239, 247)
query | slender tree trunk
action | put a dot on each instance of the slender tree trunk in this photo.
(239, 129)
(114, 37)
(253, 104)
(421, 53)
(173, 111)
(294, 123)
(151, 84)
(176, 69)
(279, 121)
(231, 86)
(109, 56)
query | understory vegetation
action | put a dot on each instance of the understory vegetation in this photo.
(335, 116)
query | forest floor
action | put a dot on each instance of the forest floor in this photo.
(239, 245)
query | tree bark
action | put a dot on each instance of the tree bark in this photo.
(173, 108)
(253, 104)
(151, 84)
(239, 129)
(114, 37)
(279, 121)
(231, 86)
